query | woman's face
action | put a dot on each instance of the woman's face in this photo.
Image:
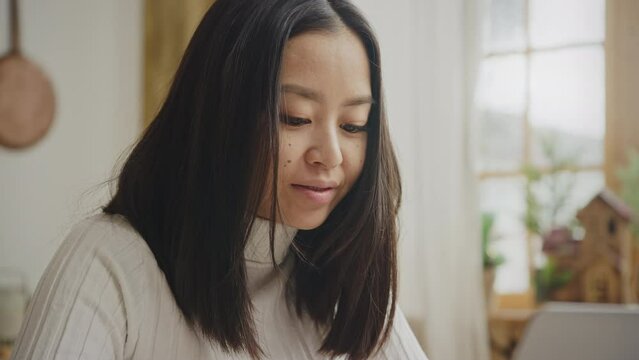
(325, 102)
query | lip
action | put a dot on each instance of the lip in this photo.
(317, 183)
(317, 192)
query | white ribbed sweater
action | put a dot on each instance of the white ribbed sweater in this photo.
(103, 296)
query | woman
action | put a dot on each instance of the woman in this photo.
(194, 257)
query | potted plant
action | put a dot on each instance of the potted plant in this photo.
(490, 260)
(550, 278)
(541, 217)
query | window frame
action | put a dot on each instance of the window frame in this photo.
(525, 299)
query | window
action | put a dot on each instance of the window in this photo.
(541, 92)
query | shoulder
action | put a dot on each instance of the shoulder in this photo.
(108, 234)
(107, 239)
(105, 253)
(105, 246)
(108, 244)
(92, 293)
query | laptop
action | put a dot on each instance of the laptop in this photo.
(581, 331)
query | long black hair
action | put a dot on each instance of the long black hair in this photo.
(193, 183)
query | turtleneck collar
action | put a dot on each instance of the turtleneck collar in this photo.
(258, 247)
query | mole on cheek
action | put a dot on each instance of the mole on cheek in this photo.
(288, 161)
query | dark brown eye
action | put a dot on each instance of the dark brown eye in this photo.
(350, 128)
(294, 121)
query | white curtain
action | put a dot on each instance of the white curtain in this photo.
(430, 55)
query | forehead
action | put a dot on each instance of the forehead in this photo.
(328, 62)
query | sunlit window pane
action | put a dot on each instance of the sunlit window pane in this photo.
(560, 22)
(512, 277)
(501, 145)
(502, 84)
(505, 198)
(563, 90)
(575, 148)
(506, 26)
(567, 101)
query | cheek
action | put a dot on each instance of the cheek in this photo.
(287, 154)
(356, 157)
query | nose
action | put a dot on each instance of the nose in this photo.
(325, 150)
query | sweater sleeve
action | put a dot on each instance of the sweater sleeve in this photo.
(401, 343)
(78, 310)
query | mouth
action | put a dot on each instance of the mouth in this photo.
(313, 188)
(316, 194)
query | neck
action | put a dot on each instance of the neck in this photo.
(258, 248)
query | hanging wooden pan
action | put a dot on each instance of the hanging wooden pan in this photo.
(26, 96)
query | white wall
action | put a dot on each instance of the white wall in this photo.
(92, 52)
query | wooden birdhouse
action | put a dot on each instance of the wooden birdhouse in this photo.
(604, 267)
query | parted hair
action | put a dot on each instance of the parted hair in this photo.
(193, 182)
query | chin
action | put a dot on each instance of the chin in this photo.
(303, 221)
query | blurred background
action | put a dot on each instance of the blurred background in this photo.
(516, 124)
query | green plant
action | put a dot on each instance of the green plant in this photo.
(533, 207)
(542, 217)
(629, 177)
(550, 278)
(490, 259)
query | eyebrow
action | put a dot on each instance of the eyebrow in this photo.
(317, 97)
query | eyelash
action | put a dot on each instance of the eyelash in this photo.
(296, 122)
(353, 129)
